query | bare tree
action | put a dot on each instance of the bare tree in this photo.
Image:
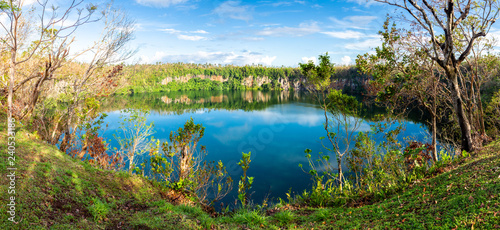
(51, 27)
(447, 31)
(38, 42)
(135, 135)
(110, 48)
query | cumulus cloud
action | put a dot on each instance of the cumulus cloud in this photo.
(346, 60)
(233, 9)
(307, 59)
(160, 3)
(302, 30)
(242, 58)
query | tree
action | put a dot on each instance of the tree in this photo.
(51, 33)
(447, 31)
(340, 111)
(191, 172)
(404, 79)
(135, 135)
(38, 42)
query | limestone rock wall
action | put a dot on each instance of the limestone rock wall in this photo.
(286, 83)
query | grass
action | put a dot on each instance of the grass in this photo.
(55, 191)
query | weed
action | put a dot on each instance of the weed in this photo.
(99, 209)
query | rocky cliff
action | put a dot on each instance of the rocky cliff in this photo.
(250, 81)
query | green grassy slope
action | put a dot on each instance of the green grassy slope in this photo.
(54, 191)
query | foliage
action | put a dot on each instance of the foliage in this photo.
(164, 77)
(245, 183)
(493, 112)
(417, 156)
(98, 209)
(180, 165)
(89, 145)
(341, 122)
(456, 37)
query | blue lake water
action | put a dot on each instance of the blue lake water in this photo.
(275, 126)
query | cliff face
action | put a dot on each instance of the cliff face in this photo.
(295, 84)
(186, 78)
(250, 81)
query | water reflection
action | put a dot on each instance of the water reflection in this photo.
(275, 126)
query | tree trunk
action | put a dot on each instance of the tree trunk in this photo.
(460, 111)
(12, 74)
(481, 119)
(339, 161)
(131, 163)
(185, 163)
(434, 142)
(434, 118)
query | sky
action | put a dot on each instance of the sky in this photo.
(271, 33)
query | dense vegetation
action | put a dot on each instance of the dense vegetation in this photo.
(151, 78)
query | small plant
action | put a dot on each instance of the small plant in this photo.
(251, 218)
(99, 209)
(245, 183)
(284, 217)
(465, 154)
(417, 157)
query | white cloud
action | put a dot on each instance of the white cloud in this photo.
(171, 31)
(4, 19)
(27, 2)
(182, 34)
(276, 4)
(354, 22)
(242, 58)
(307, 59)
(233, 9)
(252, 38)
(346, 60)
(364, 45)
(348, 34)
(190, 38)
(366, 3)
(301, 30)
(199, 32)
(160, 3)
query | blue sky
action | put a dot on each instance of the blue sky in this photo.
(272, 33)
